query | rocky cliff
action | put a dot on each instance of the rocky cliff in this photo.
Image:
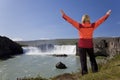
(114, 47)
(105, 46)
(9, 48)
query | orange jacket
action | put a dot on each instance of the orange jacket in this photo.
(85, 30)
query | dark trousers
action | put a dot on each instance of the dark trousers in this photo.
(83, 59)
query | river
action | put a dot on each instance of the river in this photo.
(34, 63)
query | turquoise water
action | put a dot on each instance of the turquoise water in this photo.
(34, 65)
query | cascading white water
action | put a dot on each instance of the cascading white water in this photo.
(58, 49)
(64, 49)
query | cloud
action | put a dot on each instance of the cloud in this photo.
(17, 39)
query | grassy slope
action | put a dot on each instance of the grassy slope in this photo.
(107, 71)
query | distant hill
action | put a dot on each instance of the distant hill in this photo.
(60, 41)
(52, 41)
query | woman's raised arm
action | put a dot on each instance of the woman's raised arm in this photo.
(102, 19)
(70, 20)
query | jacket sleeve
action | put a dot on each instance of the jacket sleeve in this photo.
(100, 21)
(71, 21)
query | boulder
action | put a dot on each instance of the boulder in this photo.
(9, 48)
(60, 65)
(60, 55)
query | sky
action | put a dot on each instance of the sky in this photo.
(41, 19)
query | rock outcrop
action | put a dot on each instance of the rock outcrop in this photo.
(101, 48)
(105, 47)
(108, 47)
(9, 48)
(114, 47)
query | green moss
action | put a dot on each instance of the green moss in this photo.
(108, 71)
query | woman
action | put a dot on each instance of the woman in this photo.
(85, 43)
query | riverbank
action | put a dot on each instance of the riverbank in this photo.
(107, 71)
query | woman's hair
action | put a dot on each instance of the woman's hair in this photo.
(85, 18)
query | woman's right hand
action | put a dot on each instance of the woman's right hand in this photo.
(108, 12)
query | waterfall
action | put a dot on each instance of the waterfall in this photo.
(50, 50)
(65, 49)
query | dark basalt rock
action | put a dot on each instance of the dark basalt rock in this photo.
(60, 55)
(60, 65)
(8, 48)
